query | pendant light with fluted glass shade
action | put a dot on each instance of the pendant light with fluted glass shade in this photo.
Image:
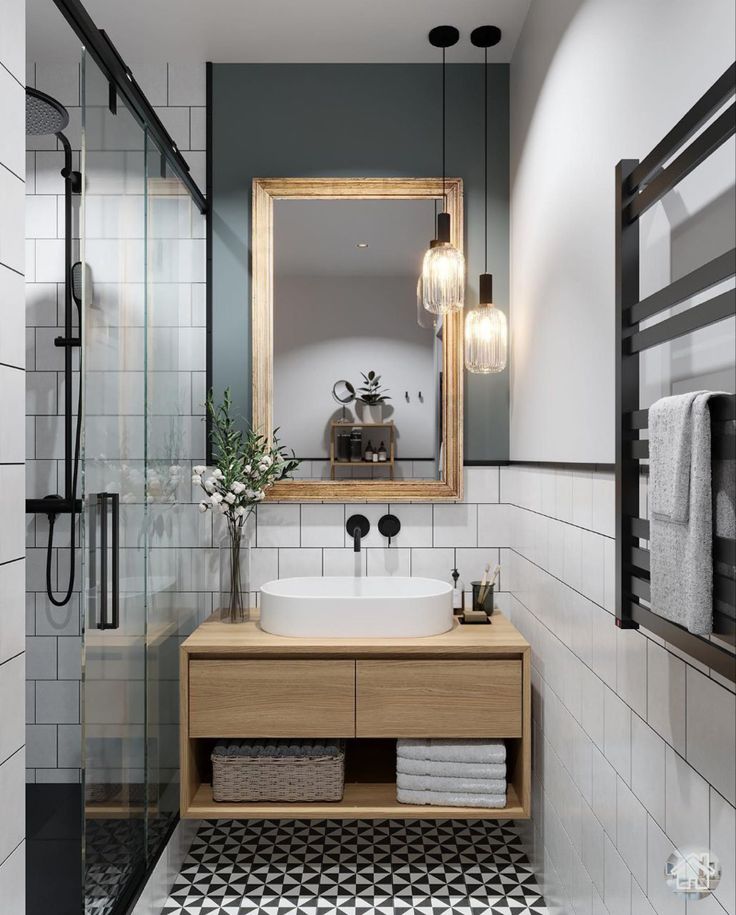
(443, 267)
(486, 328)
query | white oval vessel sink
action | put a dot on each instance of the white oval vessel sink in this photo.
(344, 607)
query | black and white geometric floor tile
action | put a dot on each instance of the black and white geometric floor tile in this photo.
(355, 867)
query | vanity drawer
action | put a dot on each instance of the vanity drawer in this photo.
(238, 698)
(439, 699)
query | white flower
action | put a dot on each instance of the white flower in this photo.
(199, 469)
(196, 479)
(251, 495)
(240, 511)
(215, 498)
(260, 496)
(217, 474)
(266, 460)
(230, 498)
(203, 506)
(247, 468)
(224, 508)
(209, 486)
(238, 487)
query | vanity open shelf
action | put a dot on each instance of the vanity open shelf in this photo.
(240, 682)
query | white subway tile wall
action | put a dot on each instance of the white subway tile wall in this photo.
(176, 377)
(634, 746)
(12, 469)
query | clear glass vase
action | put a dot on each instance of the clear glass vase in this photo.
(235, 575)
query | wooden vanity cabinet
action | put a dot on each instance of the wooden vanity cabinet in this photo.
(240, 682)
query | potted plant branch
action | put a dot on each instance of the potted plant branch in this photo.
(373, 396)
(246, 465)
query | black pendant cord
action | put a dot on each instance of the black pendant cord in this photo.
(444, 192)
(485, 153)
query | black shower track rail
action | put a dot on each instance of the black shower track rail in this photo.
(97, 43)
(640, 185)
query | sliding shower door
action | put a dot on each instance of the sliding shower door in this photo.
(143, 540)
(114, 497)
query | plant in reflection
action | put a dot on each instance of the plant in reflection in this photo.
(246, 464)
(372, 392)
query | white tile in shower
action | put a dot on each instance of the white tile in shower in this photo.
(604, 492)
(686, 803)
(57, 702)
(299, 562)
(12, 628)
(593, 566)
(647, 767)
(41, 746)
(41, 218)
(711, 732)
(12, 337)
(49, 260)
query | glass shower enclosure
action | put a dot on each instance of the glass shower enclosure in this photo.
(142, 375)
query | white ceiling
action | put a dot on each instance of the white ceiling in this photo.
(280, 31)
(320, 237)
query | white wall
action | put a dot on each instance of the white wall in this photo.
(332, 327)
(592, 81)
(12, 469)
(634, 743)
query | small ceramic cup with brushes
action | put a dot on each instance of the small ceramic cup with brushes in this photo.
(482, 601)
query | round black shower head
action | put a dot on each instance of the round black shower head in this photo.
(44, 114)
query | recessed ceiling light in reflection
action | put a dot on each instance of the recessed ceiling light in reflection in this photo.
(362, 244)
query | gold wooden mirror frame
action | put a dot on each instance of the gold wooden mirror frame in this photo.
(265, 191)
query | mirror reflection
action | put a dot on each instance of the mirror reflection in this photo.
(357, 367)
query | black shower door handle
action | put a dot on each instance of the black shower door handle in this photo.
(111, 499)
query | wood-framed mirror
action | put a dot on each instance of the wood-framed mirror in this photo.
(335, 308)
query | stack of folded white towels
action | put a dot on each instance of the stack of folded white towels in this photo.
(451, 773)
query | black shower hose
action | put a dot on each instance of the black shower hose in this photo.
(52, 518)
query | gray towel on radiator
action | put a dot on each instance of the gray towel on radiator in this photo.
(450, 785)
(681, 510)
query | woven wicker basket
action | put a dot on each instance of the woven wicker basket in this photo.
(278, 778)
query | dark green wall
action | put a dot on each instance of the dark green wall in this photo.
(340, 120)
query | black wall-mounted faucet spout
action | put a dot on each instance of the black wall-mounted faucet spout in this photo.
(357, 526)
